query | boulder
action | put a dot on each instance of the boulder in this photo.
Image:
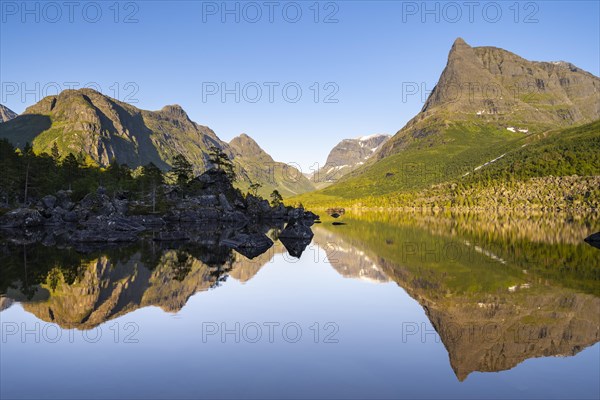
(70, 217)
(56, 216)
(249, 245)
(63, 199)
(234, 216)
(294, 247)
(225, 203)
(295, 229)
(207, 200)
(49, 201)
(121, 206)
(208, 214)
(21, 218)
(296, 213)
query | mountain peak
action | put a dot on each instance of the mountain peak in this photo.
(175, 111)
(6, 113)
(460, 42)
(245, 145)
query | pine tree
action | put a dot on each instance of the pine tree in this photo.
(219, 160)
(153, 177)
(70, 168)
(253, 188)
(55, 153)
(276, 198)
(182, 169)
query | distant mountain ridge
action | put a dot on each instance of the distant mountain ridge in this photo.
(346, 156)
(104, 128)
(6, 114)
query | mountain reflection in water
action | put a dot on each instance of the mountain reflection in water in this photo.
(498, 291)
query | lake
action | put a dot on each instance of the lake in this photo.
(383, 306)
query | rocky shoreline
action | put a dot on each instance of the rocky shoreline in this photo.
(101, 219)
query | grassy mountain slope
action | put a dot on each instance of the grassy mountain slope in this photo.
(488, 103)
(258, 166)
(102, 128)
(471, 172)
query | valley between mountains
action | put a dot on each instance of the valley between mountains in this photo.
(497, 131)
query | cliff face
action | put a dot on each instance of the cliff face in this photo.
(489, 85)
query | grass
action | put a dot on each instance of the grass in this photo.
(453, 155)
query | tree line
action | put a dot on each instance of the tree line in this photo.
(26, 176)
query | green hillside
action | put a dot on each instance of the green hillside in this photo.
(428, 173)
(101, 129)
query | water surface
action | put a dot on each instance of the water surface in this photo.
(385, 306)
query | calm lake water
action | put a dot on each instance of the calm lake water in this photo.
(385, 306)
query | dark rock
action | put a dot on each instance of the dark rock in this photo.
(338, 223)
(296, 230)
(172, 236)
(593, 240)
(114, 223)
(208, 214)
(188, 216)
(70, 216)
(296, 213)
(225, 203)
(238, 203)
(21, 217)
(336, 212)
(49, 201)
(121, 206)
(149, 221)
(56, 216)
(249, 245)
(94, 236)
(63, 199)
(172, 216)
(207, 201)
(236, 216)
(311, 215)
(295, 247)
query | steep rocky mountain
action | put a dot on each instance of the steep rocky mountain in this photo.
(104, 128)
(487, 103)
(346, 156)
(492, 86)
(258, 166)
(6, 114)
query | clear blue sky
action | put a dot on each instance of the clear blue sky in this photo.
(177, 50)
